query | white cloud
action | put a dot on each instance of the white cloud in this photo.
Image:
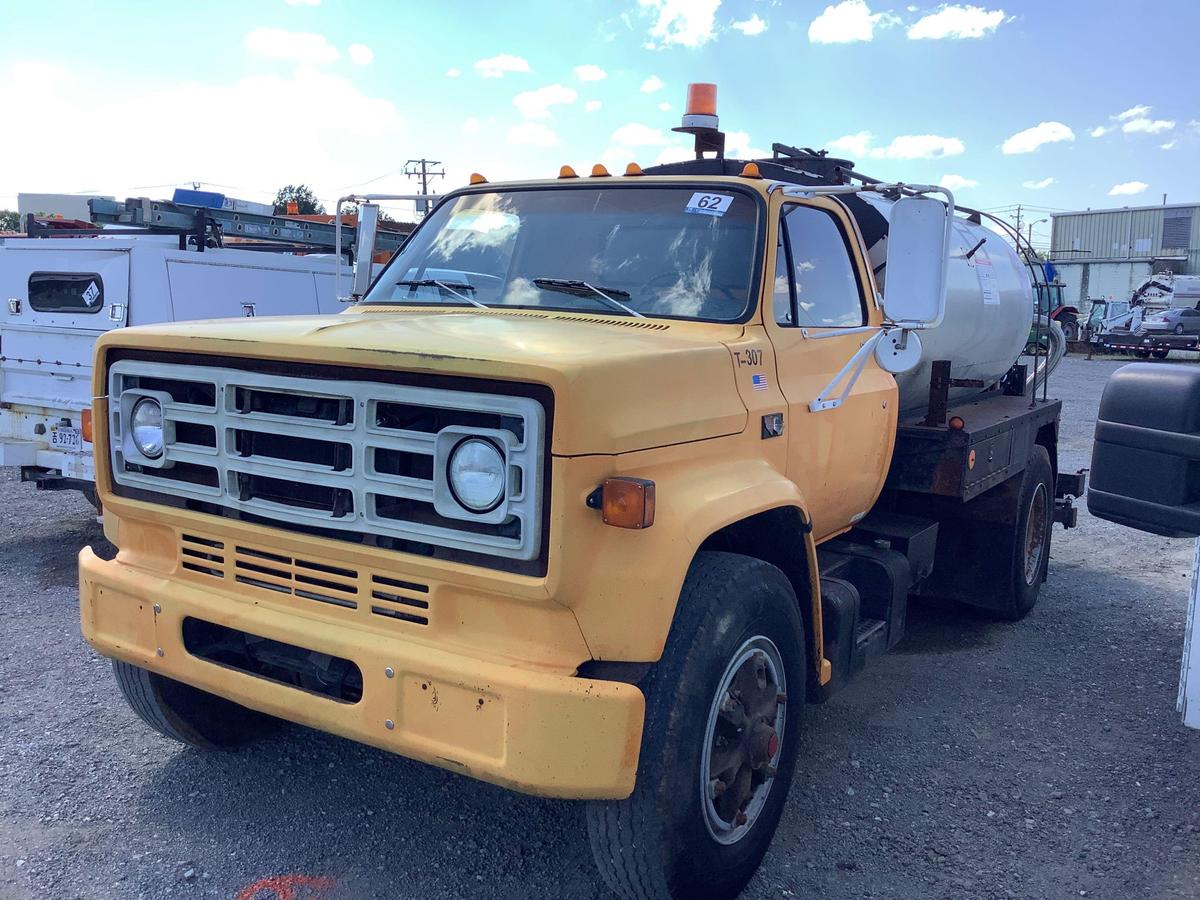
(1134, 112)
(1147, 126)
(338, 149)
(453, 72)
(592, 105)
(1031, 138)
(737, 145)
(361, 54)
(1038, 185)
(919, 146)
(1127, 188)
(957, 182)
(1099, 131)
(532, 134)
(499, 66)
(686, 23)
(853, 145)
(674, 153)
(652, 84)
(1169, 145)
(471, 126)
(636, 134)
(955, 21)
(536, 104)
(590, 72)
(848, 21)
(751, 26)
(665, 106)
(293, 46)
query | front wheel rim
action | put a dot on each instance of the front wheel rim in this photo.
(743, 740)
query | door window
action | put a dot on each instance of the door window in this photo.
(815, 282)
(66, 292)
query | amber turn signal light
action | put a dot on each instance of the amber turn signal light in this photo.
(85, 424)
(627, 502)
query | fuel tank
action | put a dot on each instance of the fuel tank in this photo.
(989, 303)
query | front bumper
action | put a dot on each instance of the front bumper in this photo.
(535, 732)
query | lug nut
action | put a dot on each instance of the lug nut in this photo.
(717, 787)
(781, 697)
(740, 818)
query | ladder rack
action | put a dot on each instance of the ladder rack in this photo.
(208, 226)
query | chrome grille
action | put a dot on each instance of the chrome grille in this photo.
(354, 456)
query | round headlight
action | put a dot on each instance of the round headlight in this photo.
(476, 473)
(146, 427)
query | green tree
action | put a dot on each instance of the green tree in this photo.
(300, 194)
(10, 220)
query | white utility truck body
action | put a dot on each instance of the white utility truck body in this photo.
(61, 294)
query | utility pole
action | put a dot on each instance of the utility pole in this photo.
(423, 170)
(1018, 218)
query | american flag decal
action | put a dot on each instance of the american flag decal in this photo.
(759, 382)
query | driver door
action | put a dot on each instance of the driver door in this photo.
(838, 457)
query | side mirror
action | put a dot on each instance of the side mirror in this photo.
(918, 246)
(1146, 458)
(364, 247)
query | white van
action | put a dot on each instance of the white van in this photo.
(60, 294)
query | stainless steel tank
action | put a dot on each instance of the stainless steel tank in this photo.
(989, 303)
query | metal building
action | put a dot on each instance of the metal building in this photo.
(1107, 253)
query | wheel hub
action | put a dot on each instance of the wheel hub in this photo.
(744, 736)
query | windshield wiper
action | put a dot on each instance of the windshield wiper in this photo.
(584, 289)
(450, 287)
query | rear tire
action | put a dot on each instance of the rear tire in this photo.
(189, 715)
(735, 653)
(1161, 354)
(1031, 549)
(1179, 328)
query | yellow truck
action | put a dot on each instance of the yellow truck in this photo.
(595, 487)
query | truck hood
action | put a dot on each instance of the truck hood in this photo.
(619, 384)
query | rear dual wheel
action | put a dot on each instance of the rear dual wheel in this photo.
(720, 740)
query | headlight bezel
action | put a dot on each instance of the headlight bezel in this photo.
(445, 499)
(122, 425)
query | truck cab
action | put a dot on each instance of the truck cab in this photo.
(597, 485)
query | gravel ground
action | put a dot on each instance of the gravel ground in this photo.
(1041, 759)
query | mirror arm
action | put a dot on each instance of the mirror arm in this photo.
(337, 232)
(850, 371)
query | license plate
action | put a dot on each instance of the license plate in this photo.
(62, 438)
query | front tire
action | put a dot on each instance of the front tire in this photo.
(720, 741)
(187, 714)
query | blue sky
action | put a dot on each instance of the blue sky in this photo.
(1054, 104)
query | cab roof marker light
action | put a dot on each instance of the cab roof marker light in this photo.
(598, 171)
(476, 178)
(750, 170)
(633, 169)
(567, 172)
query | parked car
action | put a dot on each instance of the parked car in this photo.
(1173, 321)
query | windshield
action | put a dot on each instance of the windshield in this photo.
(652, 251)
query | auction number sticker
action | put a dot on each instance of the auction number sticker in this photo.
(90, 295)
(708, 204)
